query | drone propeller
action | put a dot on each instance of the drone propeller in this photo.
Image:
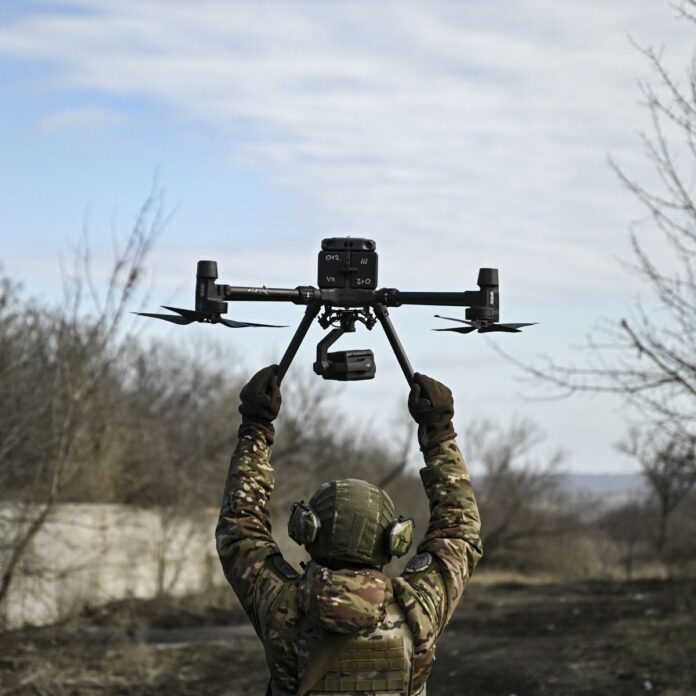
(482, 328)
(166, 317)
(188, 316)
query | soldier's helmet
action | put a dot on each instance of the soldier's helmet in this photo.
(350, 522)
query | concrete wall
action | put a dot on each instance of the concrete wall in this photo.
(90, 554)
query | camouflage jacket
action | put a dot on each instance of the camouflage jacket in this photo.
(277, 599)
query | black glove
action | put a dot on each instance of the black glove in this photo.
(260, 401)
(432, 407)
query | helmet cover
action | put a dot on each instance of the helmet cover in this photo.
(355, 516)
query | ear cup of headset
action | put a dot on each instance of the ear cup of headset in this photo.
(304, 524)
(400, 536)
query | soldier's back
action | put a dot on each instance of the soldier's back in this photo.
(350, 636)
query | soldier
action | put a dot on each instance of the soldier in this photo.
(343, 626)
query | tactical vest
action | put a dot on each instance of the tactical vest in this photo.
(378, 663)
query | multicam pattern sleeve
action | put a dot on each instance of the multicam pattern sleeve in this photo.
(434, 579)
(243, 532)
(264, 583)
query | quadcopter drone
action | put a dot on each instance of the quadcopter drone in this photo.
(347, 295)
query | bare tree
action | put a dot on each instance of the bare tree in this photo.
(625, 526)
(56, 365)
(669, 466)
(518, 491)
(649, 357)
(166, 444)
(408, 429)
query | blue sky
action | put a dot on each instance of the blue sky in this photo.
(456, 135)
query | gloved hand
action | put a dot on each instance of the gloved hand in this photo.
(434, 416)
(260, 401)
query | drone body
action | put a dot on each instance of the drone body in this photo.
(347, 292)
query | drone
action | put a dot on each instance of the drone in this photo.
(346, 295)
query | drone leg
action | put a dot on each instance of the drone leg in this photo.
(290, 352)
(383, 316)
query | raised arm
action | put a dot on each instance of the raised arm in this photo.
(434, 579)
(243, 532)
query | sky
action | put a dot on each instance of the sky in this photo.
(457, 135)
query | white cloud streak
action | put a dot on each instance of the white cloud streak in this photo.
(81, 118)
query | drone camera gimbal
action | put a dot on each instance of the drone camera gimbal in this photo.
(348, 295)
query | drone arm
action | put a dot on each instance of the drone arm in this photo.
(391, 297)
(302, 295)
(299, 295)
(383, 316)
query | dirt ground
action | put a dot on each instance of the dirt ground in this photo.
(589, 638)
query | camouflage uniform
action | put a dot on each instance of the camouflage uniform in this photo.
(292, 613)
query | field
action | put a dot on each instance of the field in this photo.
(586, 638)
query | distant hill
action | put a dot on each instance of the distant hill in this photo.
(614, 486)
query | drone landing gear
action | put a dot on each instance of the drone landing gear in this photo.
(301, 331)
(404, 363)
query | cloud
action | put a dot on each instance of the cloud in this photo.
(81, 118)
(475, 126)
(481, 129)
